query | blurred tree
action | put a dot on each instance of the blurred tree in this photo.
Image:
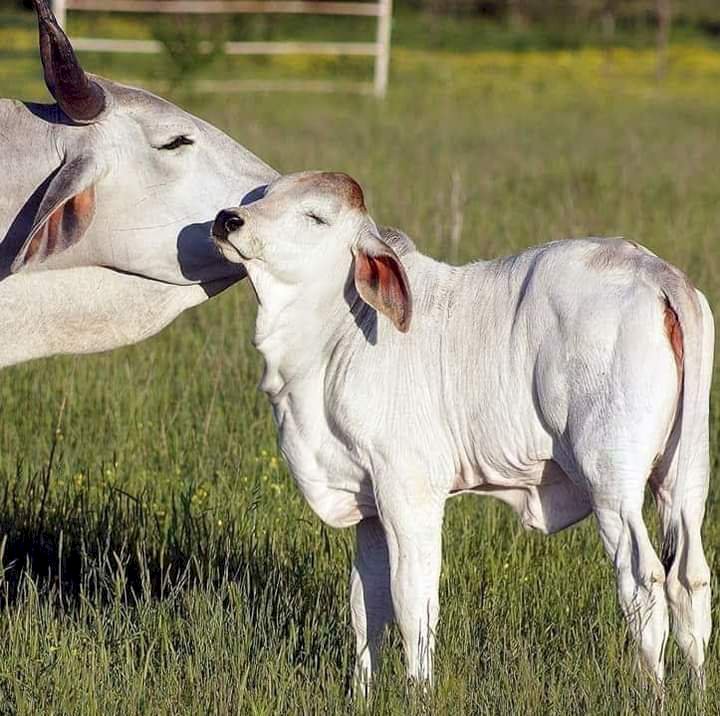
(527, 12)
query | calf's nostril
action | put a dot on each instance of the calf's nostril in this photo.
(233, 223)
(225, 223)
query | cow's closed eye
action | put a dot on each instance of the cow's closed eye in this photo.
(177, 142)
(316, 218)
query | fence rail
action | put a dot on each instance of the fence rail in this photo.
(380, 49)
(229, 7)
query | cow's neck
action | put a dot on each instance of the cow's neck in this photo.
(84, 310)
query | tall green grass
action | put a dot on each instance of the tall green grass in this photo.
(156, 557)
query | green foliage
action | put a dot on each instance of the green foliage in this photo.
(560, 11)
(192, 43)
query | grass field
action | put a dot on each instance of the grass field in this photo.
(156, 556)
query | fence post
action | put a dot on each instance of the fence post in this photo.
(58, 7)
(382, 58)
(664, 20)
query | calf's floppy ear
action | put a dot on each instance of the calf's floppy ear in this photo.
(65, 213)
(381, 281)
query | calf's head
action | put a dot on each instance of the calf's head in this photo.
(307, 235)
(137, 179)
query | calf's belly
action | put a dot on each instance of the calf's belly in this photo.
(544, 497)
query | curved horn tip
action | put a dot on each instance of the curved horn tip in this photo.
(44, 11)
(42, 6)
(82, 99)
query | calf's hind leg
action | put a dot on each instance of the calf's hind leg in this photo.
(688, 591)
(688, 575)
(640, 580)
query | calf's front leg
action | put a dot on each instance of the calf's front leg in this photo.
(412, 517)
(370, 601)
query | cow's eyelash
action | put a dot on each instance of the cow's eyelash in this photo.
(317, 219)
(177, 142)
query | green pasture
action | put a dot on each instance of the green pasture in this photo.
(156, 557)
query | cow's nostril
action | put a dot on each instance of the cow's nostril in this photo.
(233, 223)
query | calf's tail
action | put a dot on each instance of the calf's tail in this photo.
(690, 329)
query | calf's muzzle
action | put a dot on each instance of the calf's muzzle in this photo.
(227, 222)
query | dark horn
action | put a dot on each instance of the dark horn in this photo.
(78, 96)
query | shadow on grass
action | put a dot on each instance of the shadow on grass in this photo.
(96, 543)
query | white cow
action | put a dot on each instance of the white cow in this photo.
(561, 380)
(106, 199)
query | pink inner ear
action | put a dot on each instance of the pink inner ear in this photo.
(381, 283)
(64, 227)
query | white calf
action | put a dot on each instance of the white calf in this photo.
(561, 380)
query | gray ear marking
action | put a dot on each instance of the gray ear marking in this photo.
(65, 213)
(381, 281)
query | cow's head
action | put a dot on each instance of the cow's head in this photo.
(309, 234)
(139, 179)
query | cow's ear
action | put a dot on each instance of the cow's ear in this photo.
(381, 281)
(65, 213)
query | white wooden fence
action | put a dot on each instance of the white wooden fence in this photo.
(380, 49)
